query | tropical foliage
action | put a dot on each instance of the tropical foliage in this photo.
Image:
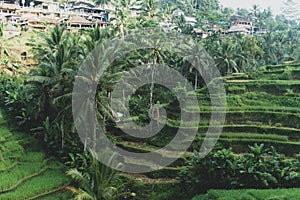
(261, 76)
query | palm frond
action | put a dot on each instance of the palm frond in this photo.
(83, 195)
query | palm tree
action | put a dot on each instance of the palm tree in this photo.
(150, 8)
(59, 56)
(123, 14)
(101, 183)
(225, 58)
(255, 10)
(152, 57)
(255, 14)
(249, 52)
(201, 61)
(93, 38)
(49, 44)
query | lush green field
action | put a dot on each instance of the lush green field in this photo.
(260, 109)
(251, 194)
(25, 170)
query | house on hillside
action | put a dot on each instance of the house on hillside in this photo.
(199, 32)
(242, 25)
(41, 13)
(46, 5)
(79, 22)
(88, 10)
(8, 8)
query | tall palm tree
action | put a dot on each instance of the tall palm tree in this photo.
(201, 61)
(123, 14)
(59, 57)
(152, 57)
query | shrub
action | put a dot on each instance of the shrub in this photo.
(261, 168)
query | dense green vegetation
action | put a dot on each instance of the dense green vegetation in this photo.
(279, 194)
(26, 172)
(258, 148)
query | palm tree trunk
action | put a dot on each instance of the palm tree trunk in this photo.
(151, 87)
(62, 132)
(196, 80)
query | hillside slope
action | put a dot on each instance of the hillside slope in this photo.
(262, 107)
(25, 171)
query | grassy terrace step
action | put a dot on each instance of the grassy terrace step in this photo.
(244, 108)
(248, 117)
(7, 165)
(231, 134)
(236, 76)
(253, 136)
(37, 186)
(254, 194)
(278, 87)
(24, 170)
(277, 98)
(145, 148)
(280, 74)
(239, 141)
(292, 133)
(267, 82)
(15, 176)
(11, 177)
(282, 66)
(61, 194)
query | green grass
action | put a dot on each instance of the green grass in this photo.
(26, 171)
(251, 194)
(44, 183)
(292, 133)
(254, 136)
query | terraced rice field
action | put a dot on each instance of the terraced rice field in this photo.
(262, 107)
(278, 194)
(25, 171)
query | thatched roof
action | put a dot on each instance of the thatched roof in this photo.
(78, 20)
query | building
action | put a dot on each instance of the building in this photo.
(42, 13)
(240, 25)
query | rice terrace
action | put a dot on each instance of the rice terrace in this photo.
(150, 100)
